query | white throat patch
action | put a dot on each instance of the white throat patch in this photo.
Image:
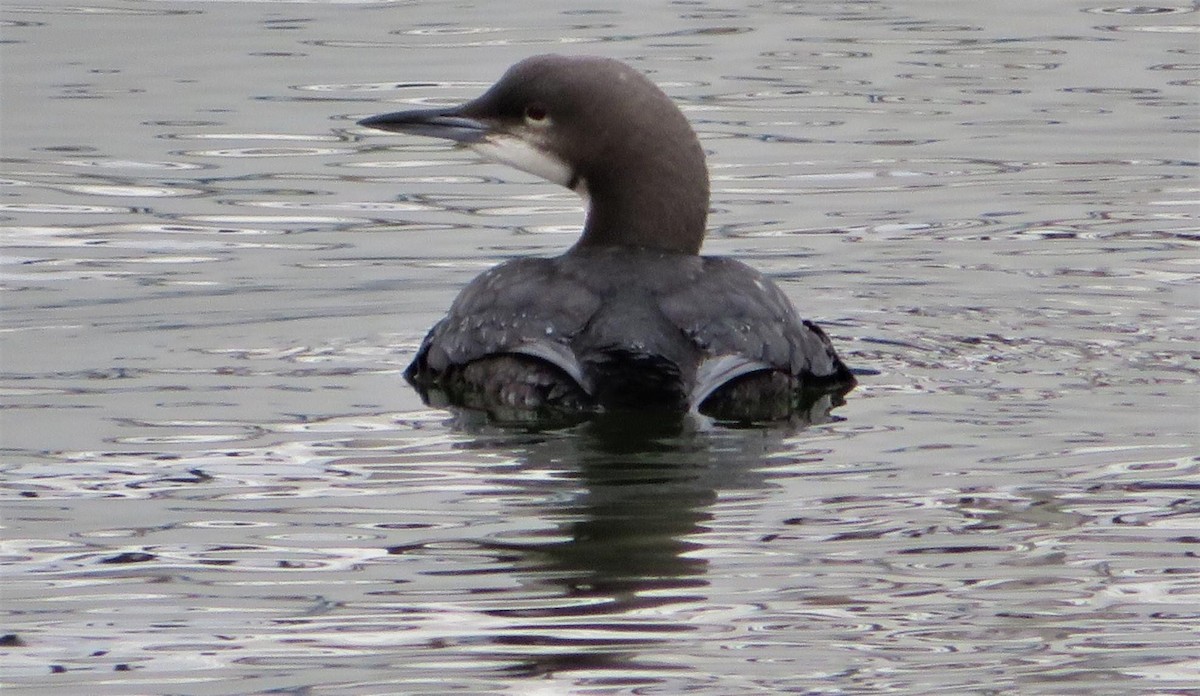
(521, 154)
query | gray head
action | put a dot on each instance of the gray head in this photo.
(596, 126)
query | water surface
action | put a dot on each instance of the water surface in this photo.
(216, 481)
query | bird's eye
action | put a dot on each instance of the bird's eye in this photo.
(536, 113)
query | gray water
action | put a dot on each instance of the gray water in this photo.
(216, 482)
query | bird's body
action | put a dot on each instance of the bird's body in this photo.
(631, 317)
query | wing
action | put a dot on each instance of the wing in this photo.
(754, 322)
(524, 306)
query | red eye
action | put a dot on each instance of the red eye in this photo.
(535, 112)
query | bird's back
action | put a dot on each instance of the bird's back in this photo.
(622, 328)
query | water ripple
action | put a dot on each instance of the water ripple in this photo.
(213, 469)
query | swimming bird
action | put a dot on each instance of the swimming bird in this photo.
(631, 317)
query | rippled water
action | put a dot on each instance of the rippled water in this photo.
(215, 481)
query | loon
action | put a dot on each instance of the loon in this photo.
(632, 317)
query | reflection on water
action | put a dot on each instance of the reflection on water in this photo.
(215, 480)
(597, 557)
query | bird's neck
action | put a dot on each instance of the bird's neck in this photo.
(659, 204)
